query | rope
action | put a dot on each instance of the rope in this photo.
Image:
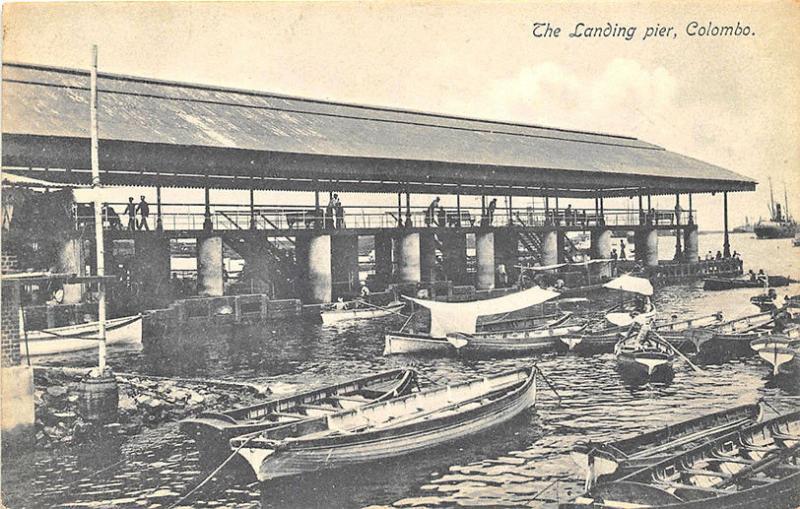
(544, 489)
(212, 474)
(770, 407)
(549, 384)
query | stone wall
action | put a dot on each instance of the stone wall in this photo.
(9, 340)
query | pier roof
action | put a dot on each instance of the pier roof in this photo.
(155, 132)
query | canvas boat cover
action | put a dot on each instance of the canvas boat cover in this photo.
(631, 284)
(450, 317)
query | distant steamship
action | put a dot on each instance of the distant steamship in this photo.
(780, 225)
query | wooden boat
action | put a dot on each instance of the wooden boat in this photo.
(603, 340)
(450, 317)
(82, 336)
(724, 283)
(611, 460)
(732, 338)
(357, 310)
(212, 430)
(523, 323)
(754, 467)
(641, 356)
(512, 342)
(412, 423)
(780, 352)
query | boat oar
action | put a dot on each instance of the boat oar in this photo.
(384, 309)
(678, 353)
(547, 381)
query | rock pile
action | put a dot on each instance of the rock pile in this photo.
(142, 402)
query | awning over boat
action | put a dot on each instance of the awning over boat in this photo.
(448, 317)
(559, 265)
(632, 284)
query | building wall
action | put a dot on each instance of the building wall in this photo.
(9, 340)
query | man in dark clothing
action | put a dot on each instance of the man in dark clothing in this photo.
(430, 214)
(144, 210)
(490, 211)
(131, 211)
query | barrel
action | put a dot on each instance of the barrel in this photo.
(98, 399)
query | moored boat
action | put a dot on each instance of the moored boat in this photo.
(512, 342)
(358, 310)
(412, 423)
(753, 467)
(732, 338)
(780, 352)
(213, 430)
(82, 336)
(610, 460)
(451, 317)
(723, 283)
(641, 356)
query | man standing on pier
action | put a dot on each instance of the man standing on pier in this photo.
(144, 209)
(131, 211)
(430, 214)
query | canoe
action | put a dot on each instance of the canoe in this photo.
(398, 343)
(754, 467)
(512, 342)
(611, 460)
(412, 423)
(524, 323)
(82, 336)
(603, 340)
(332, 316)
(640, 356)
(212, 431)
(780, 352)
(722, 283)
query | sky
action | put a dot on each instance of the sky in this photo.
(730, 101)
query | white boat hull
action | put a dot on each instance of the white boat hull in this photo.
(74, 338)
(400, 343)
(334, 316)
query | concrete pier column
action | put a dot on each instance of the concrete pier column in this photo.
(383, 259)
(314, 260)
(72, 260)
(647, 246)
(210, 282)
(427, 256)
(601, 250)
(484, 249)
(454, 256)
(343, 261)
(408, 258)
(690, 244)
(550, 247)
(151, 268)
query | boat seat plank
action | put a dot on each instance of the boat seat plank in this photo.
(353, 398)
(741, 461)
(320, 408)
(707, 473)
(785, 436)
(296, 417)
(681, 486)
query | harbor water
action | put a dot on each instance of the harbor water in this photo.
(525, 463)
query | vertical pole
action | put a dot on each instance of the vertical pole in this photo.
(98, 218)
(399, 209)
(159, 223)
(409, 222)
(649, 202)
(207, 225)
(726, 245)
(641, 216)
(678, 249)
(691, 213)
(252, 205)
(483, 206)
(458, 206)
(510, 210)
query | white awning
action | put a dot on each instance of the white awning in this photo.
(448, 317)
(632, 284)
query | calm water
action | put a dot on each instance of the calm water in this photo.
(523, 464)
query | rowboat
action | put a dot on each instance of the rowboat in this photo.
(450, 317)
(82, 336)
(611, 460)
(732, 338)
(412, 423)
(641, 356)
(780, 352)
(754, 467)
(212, 431)
(603, 340)
(643, 310)
(358, 310)
(512, 342)
(722, 283)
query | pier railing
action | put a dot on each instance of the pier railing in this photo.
(175, 216)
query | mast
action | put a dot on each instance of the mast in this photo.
(771, 201)
(785, 203)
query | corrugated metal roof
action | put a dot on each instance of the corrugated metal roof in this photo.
(54, 103)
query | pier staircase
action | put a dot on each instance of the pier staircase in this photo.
(270, 267)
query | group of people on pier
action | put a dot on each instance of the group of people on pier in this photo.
(142, 209)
